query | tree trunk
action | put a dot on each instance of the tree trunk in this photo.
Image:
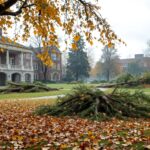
(77, 76)
(45, 73)
(107, 75)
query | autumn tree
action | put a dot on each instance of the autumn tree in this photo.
(97, 70)
(109, 61)
(43, 18)
(78, 66)
(36, 42)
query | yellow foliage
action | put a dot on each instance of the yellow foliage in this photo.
(110, 45)
(76, 38)
(45, 58)
(45, 16)
(74, 46)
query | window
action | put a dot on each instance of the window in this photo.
(58, 66)
(28, 78)
(54, 66)
(36, 66)
(12, 61)
(27, 56)
(54, 56)
(36, 77)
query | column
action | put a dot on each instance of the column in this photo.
(32, 77)
(8, 76)
(31, 56)
(22, 77)
(7, 59)
(22, 64)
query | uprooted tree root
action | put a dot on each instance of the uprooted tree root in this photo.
(95, 104)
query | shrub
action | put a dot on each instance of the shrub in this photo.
(124, 78)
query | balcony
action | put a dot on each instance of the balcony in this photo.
(14, 67)
(12, 60)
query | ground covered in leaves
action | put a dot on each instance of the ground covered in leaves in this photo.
(20, 129)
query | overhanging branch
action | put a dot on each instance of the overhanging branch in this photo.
(4, 11)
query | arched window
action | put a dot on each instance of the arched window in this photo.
(28, 78)
(16, 77)
(3, 79)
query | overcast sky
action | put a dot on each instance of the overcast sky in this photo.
(130, 19)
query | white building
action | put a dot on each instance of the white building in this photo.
(16, 62)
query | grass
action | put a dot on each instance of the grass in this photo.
(31, 95)
(132, 90)
(65, 88)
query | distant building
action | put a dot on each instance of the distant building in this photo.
(143, 62)
(16, 63)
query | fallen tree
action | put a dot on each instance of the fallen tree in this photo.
(26, 87)
(131, 83)
(95, 104)
(125, 84)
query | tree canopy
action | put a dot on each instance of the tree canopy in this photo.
(43, 18)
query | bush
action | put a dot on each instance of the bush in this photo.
(124, 78)
(146, 78)
(95, 82)
(75, 82)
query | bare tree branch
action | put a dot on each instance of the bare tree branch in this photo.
(5, 6)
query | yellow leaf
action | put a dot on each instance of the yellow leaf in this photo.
(74, 46)
(91, 42)
(110, 45)
(76, 38)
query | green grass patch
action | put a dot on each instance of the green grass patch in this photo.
(31, 95)
(68, 86)
(64, 89)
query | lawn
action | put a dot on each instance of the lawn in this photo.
(64, 89)
(145, 90)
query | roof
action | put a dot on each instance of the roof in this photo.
(50, 48)
(9, 42)
(129, 60)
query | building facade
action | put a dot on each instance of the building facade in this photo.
(16, 63)
(45, 73)
(139, 59)
(20, 64)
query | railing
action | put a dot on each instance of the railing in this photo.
(15, 67)
(3, 66)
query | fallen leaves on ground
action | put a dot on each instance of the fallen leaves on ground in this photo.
(20, 129)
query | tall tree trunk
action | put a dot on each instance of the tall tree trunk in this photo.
(45, 73)
(108, 75)
(77, 76)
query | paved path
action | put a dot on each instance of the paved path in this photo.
(42, 97)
